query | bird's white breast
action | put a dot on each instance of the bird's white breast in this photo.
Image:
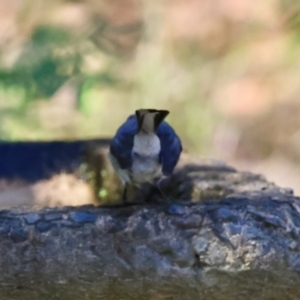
(145, 161)
(145, 158)
(145, 170)
(146, 144)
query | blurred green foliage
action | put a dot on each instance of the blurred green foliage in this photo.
(47, 61)
(39, 70)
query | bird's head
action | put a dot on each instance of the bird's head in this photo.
(149, 119)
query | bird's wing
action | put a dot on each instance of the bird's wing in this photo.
(122, 143)
(170, 148)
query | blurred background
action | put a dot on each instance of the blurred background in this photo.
(228, 70)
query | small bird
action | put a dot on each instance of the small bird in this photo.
(145, 149)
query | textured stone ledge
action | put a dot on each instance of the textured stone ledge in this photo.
(240, 247)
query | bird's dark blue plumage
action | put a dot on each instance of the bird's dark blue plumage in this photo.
(122, 144)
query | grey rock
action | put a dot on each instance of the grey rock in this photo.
(82, 217)
(51, 216)
(32, 218)
(44, 226)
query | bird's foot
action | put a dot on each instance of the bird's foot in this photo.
(124, 196)
(159, 186)
(129, 194)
